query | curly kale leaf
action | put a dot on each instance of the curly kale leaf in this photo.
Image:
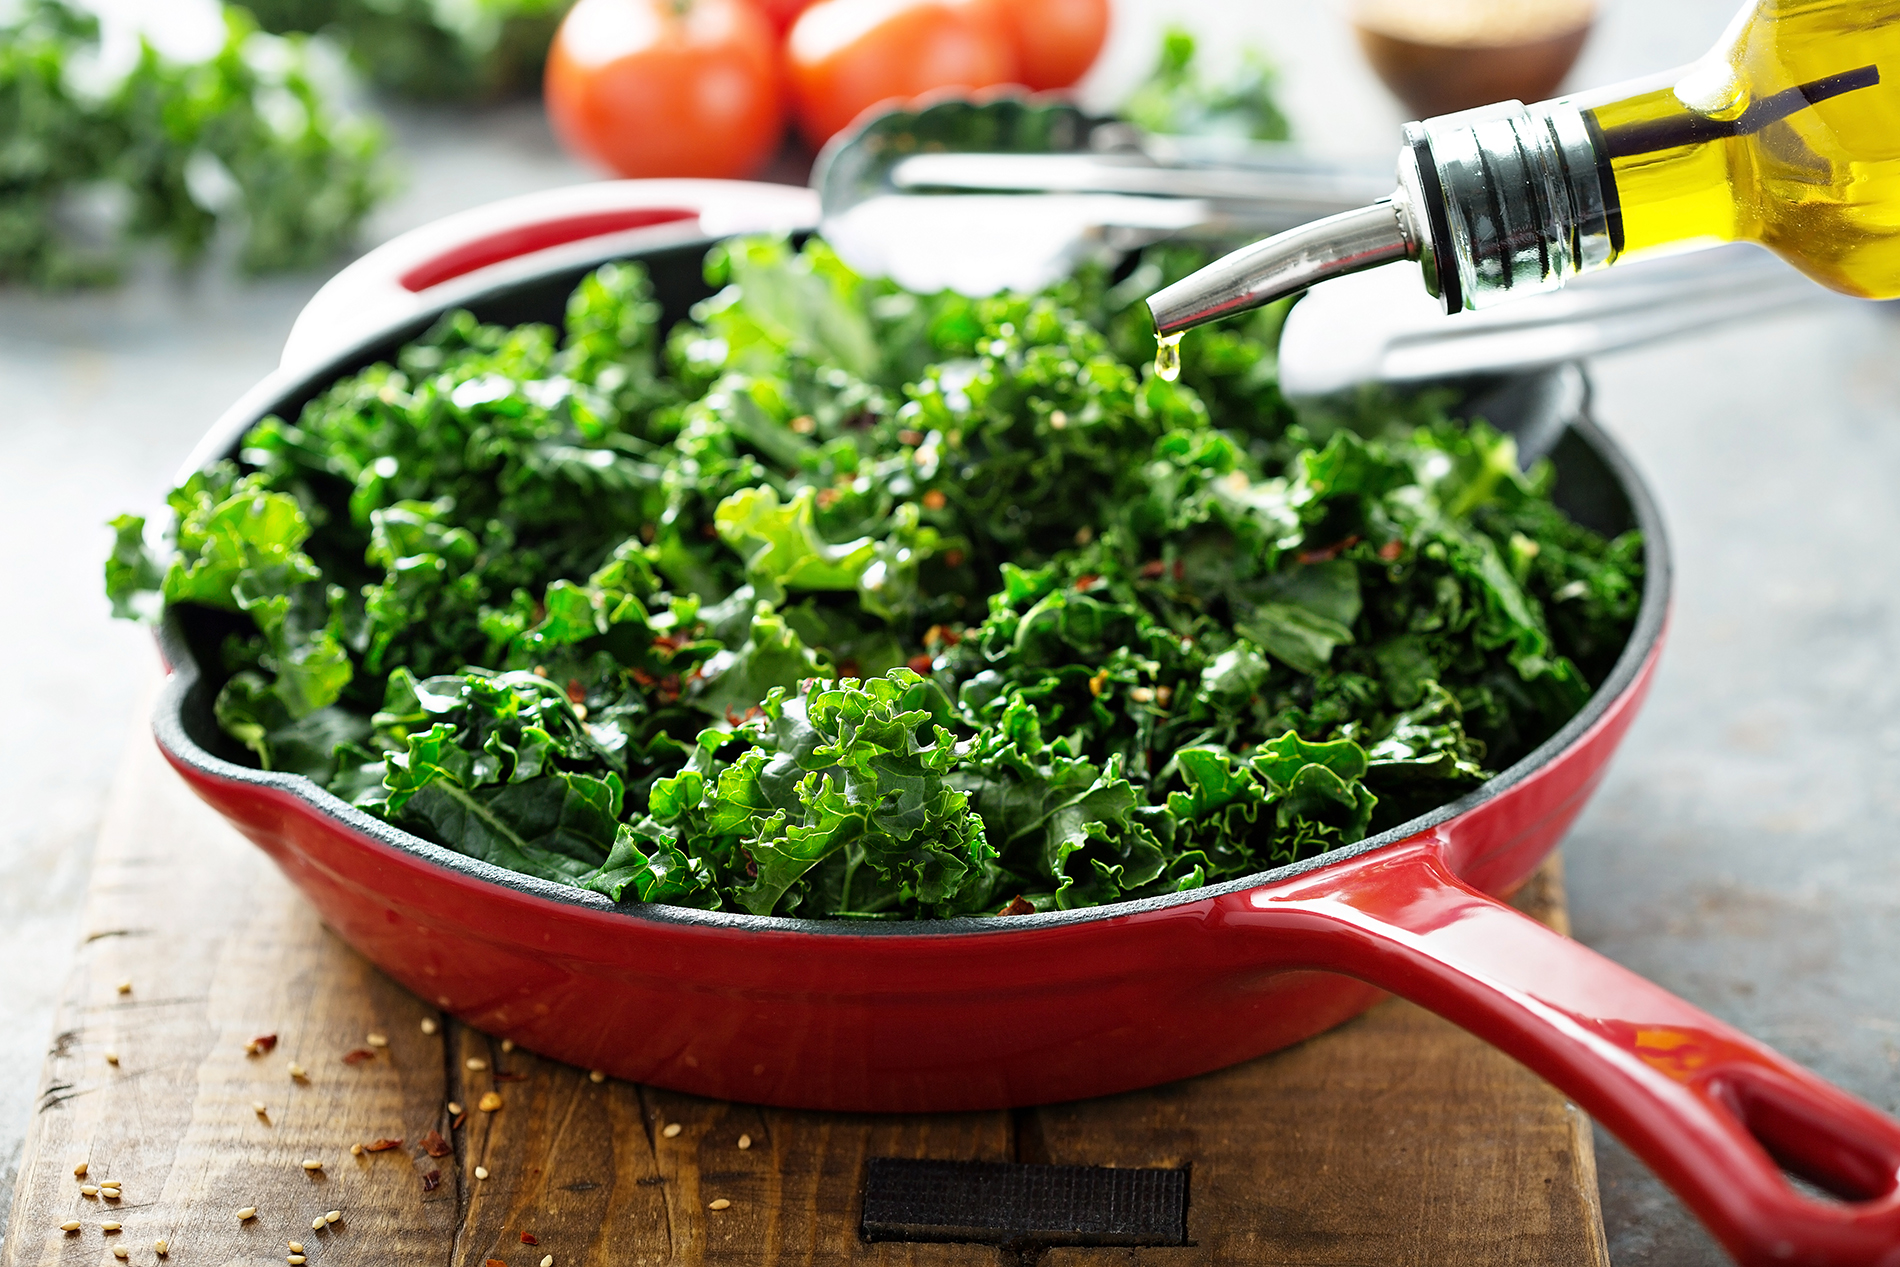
(849, 603)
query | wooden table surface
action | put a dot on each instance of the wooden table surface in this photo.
(1394, 1139)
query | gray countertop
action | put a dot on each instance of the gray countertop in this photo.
(1739, 852)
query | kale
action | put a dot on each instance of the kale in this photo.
(429, 49)
(171, 152)
(841, 601)
(1177, 98)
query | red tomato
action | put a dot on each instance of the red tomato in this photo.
(1056, 40)
(782, 13)
(666, 87)
(846, 55)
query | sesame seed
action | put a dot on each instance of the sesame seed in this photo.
(720, 1204)
(297, 1070)
(79, 1171)
(248, 1213)
(316, 1224)
(331, 1216)
(112, 1058)
(455, 1110)
(295, 1260)
(507, 1045)
(111, 1183)
(377, 1040)
(125, 987)
(311, 1163)
(110, 1227)
(672, 1129)
(296, 1247)
(547, 1260)
(595, 1075)
(481, 1172)
(356, 1150)
(745, 1141)
(428, 1025)
(257, 1107)
(476, 1064)
(120, 1251)
(70, 1225)
(489, 1102)
(161, 1247)
(89, 1191)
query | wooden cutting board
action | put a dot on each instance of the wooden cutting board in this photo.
(1394, 1139)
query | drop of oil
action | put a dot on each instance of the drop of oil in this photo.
(1168, 357)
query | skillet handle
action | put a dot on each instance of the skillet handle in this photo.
(1715, 1114)
(520, 237)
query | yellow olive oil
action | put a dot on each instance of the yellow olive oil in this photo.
(1168, 357)
(1786, 134)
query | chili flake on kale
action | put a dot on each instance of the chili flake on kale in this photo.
(841, 601)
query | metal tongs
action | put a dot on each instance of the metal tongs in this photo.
(1012, 193)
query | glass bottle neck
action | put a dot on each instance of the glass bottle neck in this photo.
(1510, 200)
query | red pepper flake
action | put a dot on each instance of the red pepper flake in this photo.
(708, 531)
(493, 1262)
(432, 1181)
(576, 693)
(460, 1118)
(529, 1238)
(1180, 570)
(642, 677)
(1391, 550)
(739, 719)
(668, 642)
(260, 1045)
(829, 497)
(1328, 553)
(1154, 569)
(647, 534)
(953, 558)
(920, 663)
(510, 1077)
(358, 1056)
(910, 437)
(1086, 581)
(849, 668)
(434, 1145)
(935, 500)
(1017, 906)
(382, 1146)
(941, 635)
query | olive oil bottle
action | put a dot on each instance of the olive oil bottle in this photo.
(1787, 134)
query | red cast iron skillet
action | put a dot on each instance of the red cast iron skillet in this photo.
(986, 1013)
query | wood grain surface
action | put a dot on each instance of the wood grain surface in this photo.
(1393, 1139)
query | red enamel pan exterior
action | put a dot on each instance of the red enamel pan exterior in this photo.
(972, 1014)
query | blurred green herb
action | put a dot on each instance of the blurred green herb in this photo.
(1178, 99)
(843, 601)
(432, 49)
(170, 152)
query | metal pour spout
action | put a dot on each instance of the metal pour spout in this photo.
(1285, 264)
(1494, 204)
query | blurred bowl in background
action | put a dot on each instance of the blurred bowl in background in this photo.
(1438, 56)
